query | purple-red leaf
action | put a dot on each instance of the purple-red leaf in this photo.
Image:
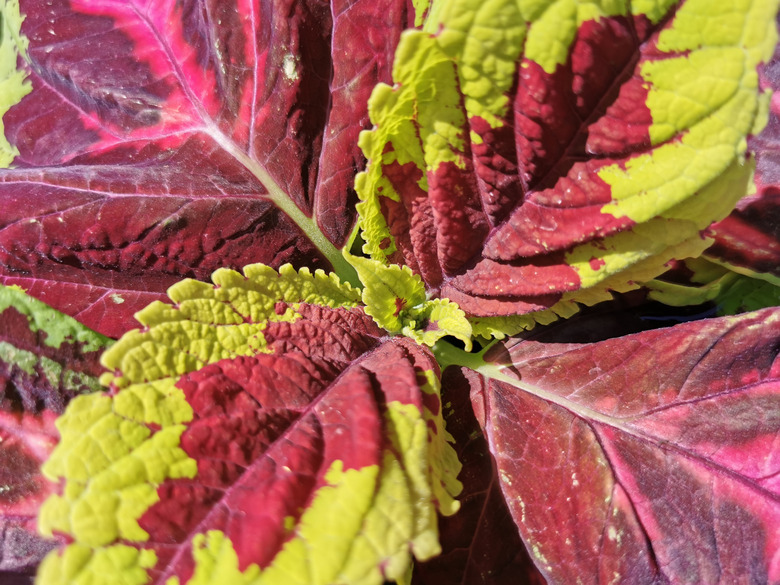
(649, 458)
(168, 139)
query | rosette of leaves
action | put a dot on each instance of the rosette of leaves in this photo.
(288, 425)
(156, 141)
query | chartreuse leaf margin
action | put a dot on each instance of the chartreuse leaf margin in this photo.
(117, 448)
(702, 93)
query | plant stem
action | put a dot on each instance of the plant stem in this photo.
(308, 225)
(449, 355)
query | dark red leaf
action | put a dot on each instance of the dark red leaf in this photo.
(164, 140)
(644, 459)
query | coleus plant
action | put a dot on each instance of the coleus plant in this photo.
(401, 208)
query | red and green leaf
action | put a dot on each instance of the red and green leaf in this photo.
(263, 429)
(46, 359)
(648, 458)
(530, 156)
(168, 139)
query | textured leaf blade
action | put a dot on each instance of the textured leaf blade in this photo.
(652, 448)
(46, 359)
(168, 140)
(263, 428)
(579, 166)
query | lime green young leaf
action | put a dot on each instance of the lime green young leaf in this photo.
(395, 297)
(389, 292)
(435, 319)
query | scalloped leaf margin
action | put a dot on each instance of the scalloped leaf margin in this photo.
(117, 449)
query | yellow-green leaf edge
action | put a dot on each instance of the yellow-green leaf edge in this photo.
(672, 192)
(111, 462)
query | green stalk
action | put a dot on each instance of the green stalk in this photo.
(449, 355)
(276, 194)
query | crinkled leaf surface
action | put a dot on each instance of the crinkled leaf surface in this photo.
(46, 358)
(167, 139)
(263, 430)
(532, 154)
(649, 458)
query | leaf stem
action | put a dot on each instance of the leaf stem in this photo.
(308, 225)
(449, 355)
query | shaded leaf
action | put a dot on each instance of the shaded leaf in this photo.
(480, 544)
(170, 139)
(697, 281)
(46, 359)
(643, 459)
(534, 155)
(261, 430)
(748, 240)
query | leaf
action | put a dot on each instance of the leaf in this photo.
(165, 141)
(748, 240)
(261, 430)
(46, 359)
(395, 297)
(534, 155)
(12, 81)
(648, 458)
